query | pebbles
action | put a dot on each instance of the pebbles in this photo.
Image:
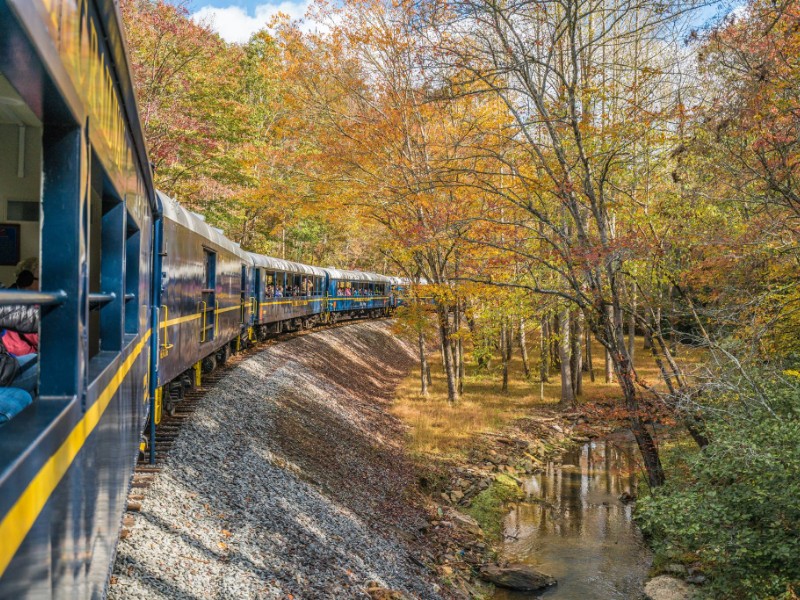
(288, 480)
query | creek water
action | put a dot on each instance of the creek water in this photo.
(573, 526)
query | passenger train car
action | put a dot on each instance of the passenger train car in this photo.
(138, 296)
(76, 191)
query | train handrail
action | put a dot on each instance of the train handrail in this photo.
(30, 297)
(99, 300)
(216, 316)
(252, 306)
(203, 325)
(166, 345)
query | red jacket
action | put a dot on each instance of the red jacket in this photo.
(20, 344)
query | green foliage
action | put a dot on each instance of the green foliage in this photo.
(489, 507)
(736, 507)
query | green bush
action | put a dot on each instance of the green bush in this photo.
(736, 506)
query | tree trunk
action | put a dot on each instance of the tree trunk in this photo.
(648, 330)
(577, 353)
(504, 334)
(460, 348)
(632, 328)
(567, 394)
(614, 334)
(526, 369)
(609, 363)
(544, 349)
(447, 354)
(554, 356)
(424, 369)
(589, 364)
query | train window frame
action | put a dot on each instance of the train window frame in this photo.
(106, 223)
(132, 272)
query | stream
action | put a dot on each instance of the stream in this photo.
(573, 526)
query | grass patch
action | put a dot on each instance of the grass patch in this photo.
(489, 507)
(439, 430)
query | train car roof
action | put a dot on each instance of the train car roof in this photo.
(173, 211)
(357, 276)
(279, 264)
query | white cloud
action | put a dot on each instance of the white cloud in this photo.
(235, 24)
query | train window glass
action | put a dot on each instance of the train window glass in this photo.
(209, 296)
(132, 257)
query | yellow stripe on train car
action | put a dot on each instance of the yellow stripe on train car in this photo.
(19, 520)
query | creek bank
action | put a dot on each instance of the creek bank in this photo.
(495, 477)
(473, 494)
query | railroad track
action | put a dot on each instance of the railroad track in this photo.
(169, 429)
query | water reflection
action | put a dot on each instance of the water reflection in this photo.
(574, 527)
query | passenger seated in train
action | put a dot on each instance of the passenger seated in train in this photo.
(19, 346)
(269, 291)
(278, 292)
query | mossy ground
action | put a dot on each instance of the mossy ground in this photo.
(490, 506)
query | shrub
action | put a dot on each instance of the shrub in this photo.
(736, 509)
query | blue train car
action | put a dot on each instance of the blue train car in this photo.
(201, 305)
(76, 192)
(353, 294)
(288, 295)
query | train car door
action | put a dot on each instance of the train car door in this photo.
(209, 296)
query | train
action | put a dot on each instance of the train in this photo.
(138, 297)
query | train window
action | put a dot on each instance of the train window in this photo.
(107, 247)
(209, 296)
(132, 257)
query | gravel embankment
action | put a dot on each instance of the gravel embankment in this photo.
(288, 480)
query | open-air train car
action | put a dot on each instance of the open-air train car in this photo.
(76, 192)
(356, 294)
(289, 295)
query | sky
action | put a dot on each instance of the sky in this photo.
(237, 20)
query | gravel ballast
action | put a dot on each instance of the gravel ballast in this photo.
(289, 479)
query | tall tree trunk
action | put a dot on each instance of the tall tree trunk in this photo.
(614, 334)
(632, 328)
(554, 355)
(577, 353)
(504, 335)
(589, 364)
(544, 350)
(648, 330)
(447, 353)
(526, 369)
(609, 363)
(460, 348)
(424, 369)
(564, 346)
